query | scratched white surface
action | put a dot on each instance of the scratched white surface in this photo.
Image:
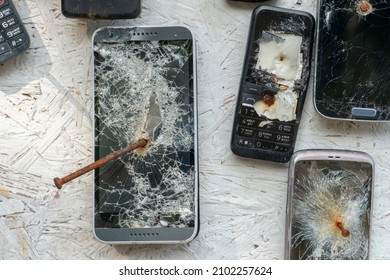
(46, 131)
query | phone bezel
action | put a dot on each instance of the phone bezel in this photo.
(366, 114)
(328, 155)
(151, 235)
(257, 16)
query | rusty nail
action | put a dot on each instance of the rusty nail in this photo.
(60, 181)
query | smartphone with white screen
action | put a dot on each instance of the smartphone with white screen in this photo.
(145, 82)
(329, 205)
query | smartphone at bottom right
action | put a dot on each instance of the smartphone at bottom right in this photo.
(329, 205)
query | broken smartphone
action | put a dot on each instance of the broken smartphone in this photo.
(273, 84)
(101, 9)
(328, 205)
(145, 87)
(353, 60)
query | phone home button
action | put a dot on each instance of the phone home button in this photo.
(364, 113)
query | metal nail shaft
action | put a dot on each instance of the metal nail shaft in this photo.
(60, 181)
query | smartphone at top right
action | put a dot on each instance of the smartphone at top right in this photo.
(353, 60)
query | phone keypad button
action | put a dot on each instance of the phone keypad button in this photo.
(246, 132)
(12, 32)
(280, 148)
(285, 128)
(248, 122)
(263, 145)
(4, 3)
(283, 138)
(264, 135)
(248, 111)
(4, 47)
(18, 41)
(6, 12)
(11, 21)
(244, 142)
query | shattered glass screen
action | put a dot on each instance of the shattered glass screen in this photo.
(330, 210)
(145, 89)
(279, 64)
(353, 67)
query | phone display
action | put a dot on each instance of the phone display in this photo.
(14, 38)
(145, 82)
(101, 9)
(353, 60)
(273, 84)
(328, 205)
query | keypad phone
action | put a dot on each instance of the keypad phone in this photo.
(273, 83)
(14, 38)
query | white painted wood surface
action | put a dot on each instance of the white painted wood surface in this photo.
(46, 131)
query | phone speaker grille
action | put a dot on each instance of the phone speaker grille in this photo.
(144, 234)
(145, 33)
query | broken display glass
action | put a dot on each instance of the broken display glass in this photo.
(144, 88)
(353, 59)
(330, 210)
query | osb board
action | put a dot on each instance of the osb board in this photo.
(46, 131)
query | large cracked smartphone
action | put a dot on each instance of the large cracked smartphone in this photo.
(329, 205)
(353, 60)
(145, 87)
(273, 84)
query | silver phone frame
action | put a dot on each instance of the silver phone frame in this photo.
(322, 154)
(153, 235)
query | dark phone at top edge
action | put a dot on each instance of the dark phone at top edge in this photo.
(101, 9)
(273, 84)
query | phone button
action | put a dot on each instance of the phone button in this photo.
(263, 145)
(4, 3)
(248, 111)
(248, 122)
(18, 41)
(363, 112)
(9, 22)
(244, 142)
(281, 148)
(246, 132)
(283, 138)
(285, 128)
(264, 135)
(253, 88)
(4, 47)
(6, 12)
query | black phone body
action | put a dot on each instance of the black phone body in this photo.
(273, 84)
(101, 9)
(329, 205)
(353, 53)
(145, 82)
(14, 38)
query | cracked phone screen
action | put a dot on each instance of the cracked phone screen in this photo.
(331, 204)
(353, 60)
(144, 87)
(279, 63)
